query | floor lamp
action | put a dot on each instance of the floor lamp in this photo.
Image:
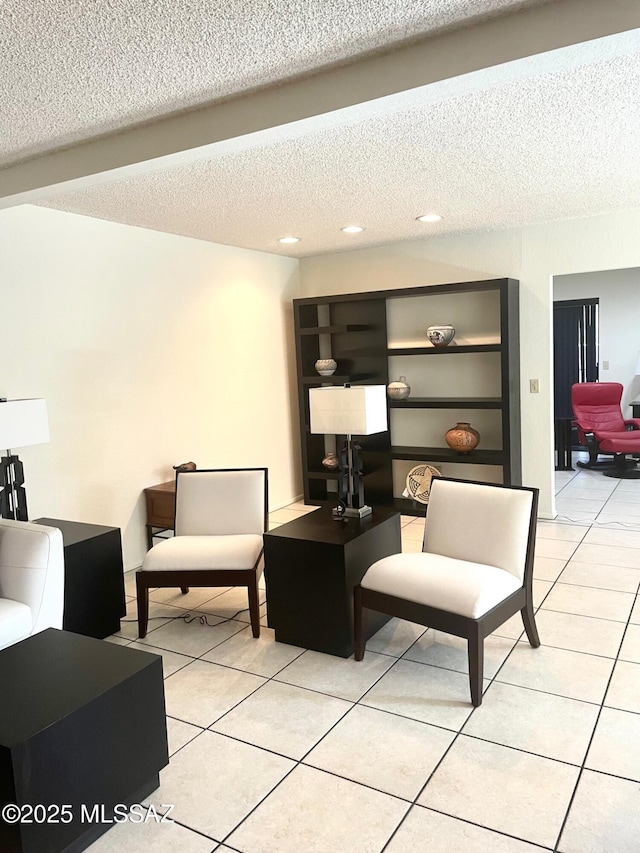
(349, 410)
(22, 422)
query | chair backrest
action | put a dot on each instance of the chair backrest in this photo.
(482, 523)
(596, 406)
(221, 502)
(32, 570)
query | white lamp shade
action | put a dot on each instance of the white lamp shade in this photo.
(359, 410)
(23, 422)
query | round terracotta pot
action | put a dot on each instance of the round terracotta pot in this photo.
(462, 437)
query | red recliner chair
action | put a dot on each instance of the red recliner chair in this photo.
(602, 429)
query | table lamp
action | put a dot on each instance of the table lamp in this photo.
(22, 422)
(349, 411)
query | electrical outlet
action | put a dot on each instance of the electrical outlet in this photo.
(534, 386)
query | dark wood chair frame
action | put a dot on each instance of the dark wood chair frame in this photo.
(473, 630)
(186, 578)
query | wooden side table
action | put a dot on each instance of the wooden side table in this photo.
(161, 509)
(312, 565)
(635, 408)
(94, 599)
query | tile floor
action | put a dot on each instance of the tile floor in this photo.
(280, 750)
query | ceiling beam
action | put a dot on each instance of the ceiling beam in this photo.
(174, 139)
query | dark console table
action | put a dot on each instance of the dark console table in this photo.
(635, 408)
(82, 725)
(94, 600)
(160, 503)
(312, 565)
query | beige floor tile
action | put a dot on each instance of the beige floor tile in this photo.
(118, 641)
(411, 546)
(624, 690)
(232, 777)
(345, 678)
(158, 615)
(557, 549)
(503, 789)
(171, 661)
(579, 633)
(606, 536)
(604, 816)
(179, 734)
(619, 578)
(611, 520)
(512, 628)
(572, 516)
(286, 514)
(384, 751)
(309, 812)
(565, 673)
(260, 655)
(192, 638)
(635, 613)
(622, 510)
(586, 601)
(566, 501)
(564, 532)
(630, 650)
(631, 497)
(202, 692)
(283, 718)
(518, 717)
(395, 637)
(415, 531)
(540, 591)
(616, 745)
(426, 831)
(608, 555)
(149, 835)
(426, 693)
(232, 604)
(547, 568)
(196, 596)
(445, 650)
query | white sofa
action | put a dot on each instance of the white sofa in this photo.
(31, 580)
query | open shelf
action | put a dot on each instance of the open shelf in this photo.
(450, 350)
(447, 403)
(446, 454)
(333, 330)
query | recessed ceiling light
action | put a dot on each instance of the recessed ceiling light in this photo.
(352, 229)
(289, 240)
(429, 217)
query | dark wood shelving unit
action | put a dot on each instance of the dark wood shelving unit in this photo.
(352, 329)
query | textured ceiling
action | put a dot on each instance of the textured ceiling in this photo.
(550, 136)
(72, 69)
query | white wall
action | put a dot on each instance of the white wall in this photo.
(533, 255)
(150, 349)
(618, 292)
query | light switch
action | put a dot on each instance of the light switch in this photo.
(534, 386)
(605, 365)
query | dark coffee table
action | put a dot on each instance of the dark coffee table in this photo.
(312, 565)
(82, 724)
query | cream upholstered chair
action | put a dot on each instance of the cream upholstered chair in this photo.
(31, 580)
(221, 516)
(475, 570)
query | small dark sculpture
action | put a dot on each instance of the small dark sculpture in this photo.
(185, 466)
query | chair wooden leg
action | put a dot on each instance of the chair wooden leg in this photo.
(475, 651)
(530, 626)
(142, 596)
(184, 590)
(357, 623)
(254, 605)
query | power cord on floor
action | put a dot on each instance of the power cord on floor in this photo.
(188, 617)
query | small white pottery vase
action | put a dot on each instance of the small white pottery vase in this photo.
(326, 366)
